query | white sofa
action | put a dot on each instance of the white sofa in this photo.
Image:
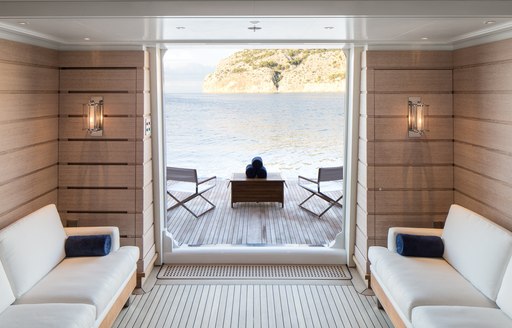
(470, 286)
(42, 288)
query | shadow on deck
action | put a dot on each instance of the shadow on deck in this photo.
(255, 223)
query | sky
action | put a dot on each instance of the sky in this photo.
(186, 68)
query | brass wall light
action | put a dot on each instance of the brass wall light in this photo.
(93, 116)
(417, 117)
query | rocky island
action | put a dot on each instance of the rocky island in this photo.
(279, 70)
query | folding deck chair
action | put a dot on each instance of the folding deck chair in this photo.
(329, 182)
(186, 181)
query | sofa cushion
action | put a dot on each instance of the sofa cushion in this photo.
(478, 248)
(504, 299)
(48, 316)
(31, 247)
(458, 317)
(415, 281)
(6, 295)
(89, 280)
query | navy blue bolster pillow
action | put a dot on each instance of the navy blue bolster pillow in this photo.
(93, 245)
(262, 173)
(250, 172)
(257, 162)
(419, 246)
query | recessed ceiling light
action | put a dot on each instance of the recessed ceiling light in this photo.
(23, 23)
(329, 27)
(87, 39)
(424, 38)
(489, 22)
(180, 27)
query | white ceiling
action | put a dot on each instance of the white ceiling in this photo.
(110, 24)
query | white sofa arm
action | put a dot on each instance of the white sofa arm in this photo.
(392, 232)
(87, 231)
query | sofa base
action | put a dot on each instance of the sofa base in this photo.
(111, 316)
(386, 303)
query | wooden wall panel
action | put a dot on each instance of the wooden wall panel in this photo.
(406, 181)
(483, 130)
(108, 179)
(29, 80)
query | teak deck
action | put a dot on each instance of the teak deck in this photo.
(264, 223)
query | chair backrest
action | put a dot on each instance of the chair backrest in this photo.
(181, 174)
(330, 173)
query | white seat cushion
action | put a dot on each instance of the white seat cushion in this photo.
(413, 281)
(504, 299)
(459, 317)
(478, 248)
(31, 247)
(48, 316)
(6, 295)
(88, 280)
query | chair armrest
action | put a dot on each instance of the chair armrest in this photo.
(307, 179)
(203, 180)
(392, 232)
(87, 231)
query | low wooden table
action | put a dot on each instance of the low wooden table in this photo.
(257, 190)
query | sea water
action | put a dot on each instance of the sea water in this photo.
(219, 134)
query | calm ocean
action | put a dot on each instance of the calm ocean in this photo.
(219, 134)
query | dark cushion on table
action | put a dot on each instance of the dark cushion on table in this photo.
(90, 245)
(419, 246)
(250, 171)
(257, 162)
(262, 173)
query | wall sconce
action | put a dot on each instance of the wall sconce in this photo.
(417, 117)
(93, 116)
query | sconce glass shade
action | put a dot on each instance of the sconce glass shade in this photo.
(93, 116)
(417, 117)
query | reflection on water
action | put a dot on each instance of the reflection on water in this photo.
(220, 134)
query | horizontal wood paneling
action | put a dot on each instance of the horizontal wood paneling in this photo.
(122, 80)
(28, 207)
(383, 222)
(395, 128)
(29, 80)
(409, 59)
(486, 134)
(97, 200)
(28, 187)
(115, 128)
(28, 106)
(22, 78)
(125, 222)
(412, 201)
(144, 221)
(114, 104)
(488, 191)
(414, 177)
(396, 104)
(413, 152)
(26, 133)
(495, 106)
(27, 160)
(483, 130)
(492, 164)
(400, 81)
(111, 176)
(97, 152)
(96, 59)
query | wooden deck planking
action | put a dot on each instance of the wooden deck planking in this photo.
(255, 223)
(250, 304)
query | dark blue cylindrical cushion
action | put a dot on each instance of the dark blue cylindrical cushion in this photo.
(93, 245)
(262, 172)
(250, 171)
(257, 162)
(420, 246)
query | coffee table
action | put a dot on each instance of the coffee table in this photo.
(255, 190)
